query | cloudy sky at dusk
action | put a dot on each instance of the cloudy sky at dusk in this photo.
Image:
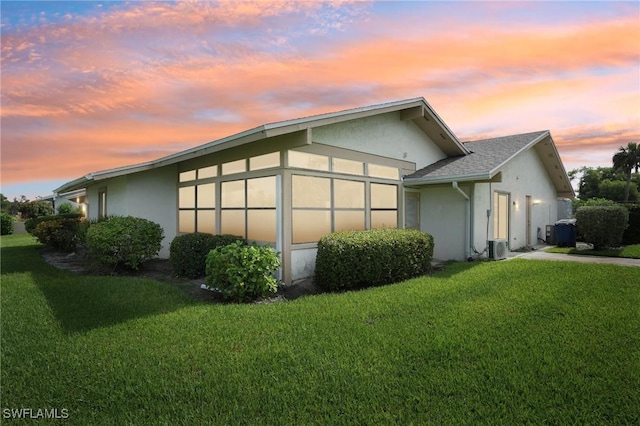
(88, 86)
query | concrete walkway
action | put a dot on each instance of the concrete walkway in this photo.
(540, 254)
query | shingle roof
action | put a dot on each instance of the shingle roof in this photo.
(486, 157)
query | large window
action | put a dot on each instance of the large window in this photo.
(501, 215)
(196, 208)
(384, 206)
(249, 208)
(322, 205)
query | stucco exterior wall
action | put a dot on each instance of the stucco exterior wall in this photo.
(442, 214)
(153, 195)
(303, 263)
(386, 135)
(150, 194)
(522, 176)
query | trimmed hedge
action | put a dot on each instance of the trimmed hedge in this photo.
(241, 272)
(602, 226)
(30, 224)
(6, 224)
(188, 252)
(124, 240)
(632, 233)
(60, 233)
(355, 259)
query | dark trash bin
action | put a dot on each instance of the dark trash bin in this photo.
(566, 233)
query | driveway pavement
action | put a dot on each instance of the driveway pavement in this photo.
(540, 254)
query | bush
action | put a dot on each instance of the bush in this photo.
(354, 259)
(67, 208)
(33, 209)
(60, 233)
(632, 233)
(127, 240)
(6, 224)
(241, 272)
(188, 253)
(30, 224)
(602, 226)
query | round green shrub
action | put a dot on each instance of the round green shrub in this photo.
(602, 226)
(30, 224)
(632, 233)
(188, 252)
(241, 272)
(6, 224)
(124, 241)
(67, 208)
(61, 233)
(356, 259)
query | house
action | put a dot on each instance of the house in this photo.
(390, 165)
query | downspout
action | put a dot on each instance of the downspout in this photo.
(467, 224)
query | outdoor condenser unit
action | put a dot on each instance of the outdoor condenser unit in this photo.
(497, 249)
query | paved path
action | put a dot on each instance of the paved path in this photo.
(543, 255)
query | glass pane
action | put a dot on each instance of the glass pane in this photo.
(501, 215)
(348, 194)
(341, 165)
(264, 161)
(310, 225)
(187, 176)
(386, 172)
(310, 191)
(232, 222)
(384, 196)
(349, 220)
(238, 166)
(305, 160)
(207, 195)
(186, 221)
(208, 172)
(384, 219)
(207, 221)
(261, 192)
(233, 193)
(187, 197)
(262, 225)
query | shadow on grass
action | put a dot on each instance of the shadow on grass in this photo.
(83, 303)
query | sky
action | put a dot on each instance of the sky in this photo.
(89, 86)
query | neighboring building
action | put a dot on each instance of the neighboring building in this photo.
(390, 165)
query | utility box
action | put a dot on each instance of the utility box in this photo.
(551, 235)
(566, 233)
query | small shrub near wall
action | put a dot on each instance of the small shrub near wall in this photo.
(188, 253)
(30, 224)
(241, 272)
(602, 226)
(124, 241)
(60, 233)
(6, 224)
(355, 259)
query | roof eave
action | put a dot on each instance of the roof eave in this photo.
(478, 177)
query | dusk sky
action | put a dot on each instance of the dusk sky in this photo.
(88, 86)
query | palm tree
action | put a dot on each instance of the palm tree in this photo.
(627, 159)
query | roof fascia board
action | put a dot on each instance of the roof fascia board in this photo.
(480, 177)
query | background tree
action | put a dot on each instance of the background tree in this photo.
(4, 202)
(627, 159)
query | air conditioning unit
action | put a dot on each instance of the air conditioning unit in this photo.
(497, 249)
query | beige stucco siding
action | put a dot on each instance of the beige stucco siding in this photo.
(150, 194)
(442, 214)
(386, 135)
(522, 176)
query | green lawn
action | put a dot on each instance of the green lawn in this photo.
(512, 342)
(632, 251)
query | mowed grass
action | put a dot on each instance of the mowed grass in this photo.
(630, 251)
(511, 342)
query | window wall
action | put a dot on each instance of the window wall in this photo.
(331, 203)
(221, 199)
